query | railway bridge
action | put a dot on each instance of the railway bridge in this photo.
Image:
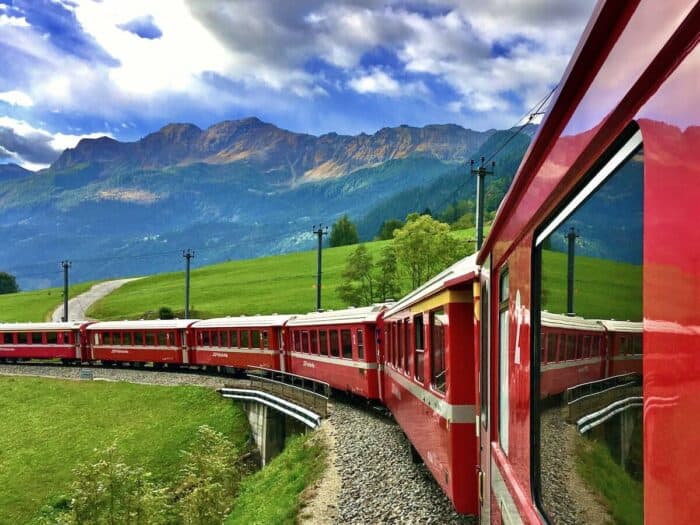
(279, 405)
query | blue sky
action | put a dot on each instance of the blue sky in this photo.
(124, 68)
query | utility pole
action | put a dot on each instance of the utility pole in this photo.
(319, 232)
(188, 254)
(571, 237)
(480, 173)
(66, 265)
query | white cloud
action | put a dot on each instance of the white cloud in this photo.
(376, 82)
(16, 98)
(15, 21)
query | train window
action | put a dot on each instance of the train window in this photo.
(214, 335)
(255, 338)
(2, 338)
(106, 338)
(234, 338)
(22, 338)
(126, 338)
(138, 338)
(244, 339)
(438, 371)
(223, 338)
(552, 342)
(419, 347)
(150, 339)
(67, 337)
(402, 342)
(51, 338)
(297, 341)
(314, 341)
(206, 341)
(588, 445)
(36, 338)
(346, 340)
(503, 360)
(162, 339)
(360, 344)
(335, 343)
(305, 342)
(323, 339)
(265, 339)
(407, 348)
(484, 354)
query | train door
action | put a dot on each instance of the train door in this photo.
(484, 398)
(185, 346)
(282, 349)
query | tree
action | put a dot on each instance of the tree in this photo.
(424, 247)
(8, 283)
(357, 286)
(386, 273)
(343, 232)
(165, 312)
(386, 230)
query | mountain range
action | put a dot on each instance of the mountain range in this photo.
(237, 189)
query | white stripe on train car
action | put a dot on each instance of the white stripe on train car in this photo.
(509, 512)
(339, 361)
(452, 413)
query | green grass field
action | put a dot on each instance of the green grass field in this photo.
(273, 494)
(49, 426)
(602, 289)
(36, 305)
(276, 284)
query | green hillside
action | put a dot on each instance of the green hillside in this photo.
(36, 305)
(278, 284)
(603, 289)
(59, 424)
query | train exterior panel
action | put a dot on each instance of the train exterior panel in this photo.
(337, 347)
(24, 341)
(158, 342)
(427, 378)
(614, 170)
(240, 342)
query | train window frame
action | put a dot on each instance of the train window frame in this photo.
(627, 144)
(346, 343)
(255, 339)
(313, 340)
(503, 359)
(360, 337)
(265, 335)
(334, 338)
(434, 384)
(244, 339)
(323, 342)
(233, 338)
(419, 348)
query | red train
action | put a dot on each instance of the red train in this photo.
(525, 410)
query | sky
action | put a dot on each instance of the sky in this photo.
(124, 68)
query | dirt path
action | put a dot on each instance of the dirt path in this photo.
(78, 306)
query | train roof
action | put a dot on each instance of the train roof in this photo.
(243, 321)
(571, 322)
(462, 270)
(365, 314)
(163, 324)
(622, 326)
(40, 327)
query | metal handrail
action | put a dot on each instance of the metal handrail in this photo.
(292, 379)
(592, 387)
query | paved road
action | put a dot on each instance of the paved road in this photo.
(80, 304)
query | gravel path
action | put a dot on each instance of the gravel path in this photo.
(370, 478)
(378, 482)
(78, 305)
(119, 374)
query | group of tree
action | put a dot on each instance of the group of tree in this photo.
(343, 232)
(8, 283)
(421, 248)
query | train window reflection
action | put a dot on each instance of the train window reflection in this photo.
(589, 416)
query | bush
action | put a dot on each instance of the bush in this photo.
(165, 312)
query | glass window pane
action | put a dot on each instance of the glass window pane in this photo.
(234, 338)
(150, 339)
(297, 341)
(255, 338)
(323, 338)
(314, 341)
(265, 340)
(360, 344)
(503, 363)
(335, 343)
(36, 338)
(51, 338)
(438, 371)
(138, 338)
(346, 338)
(589, 415)
(305, 342)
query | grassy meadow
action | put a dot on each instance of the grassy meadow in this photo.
(36, 305)
(49, 426)
(603, 289)
(275, 284)
(285, 477)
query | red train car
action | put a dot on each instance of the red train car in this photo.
(625, 347)
(613, 172)
(25, 341)
(428, 378)
(139, 342)
(337, 347)
(240, 342)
